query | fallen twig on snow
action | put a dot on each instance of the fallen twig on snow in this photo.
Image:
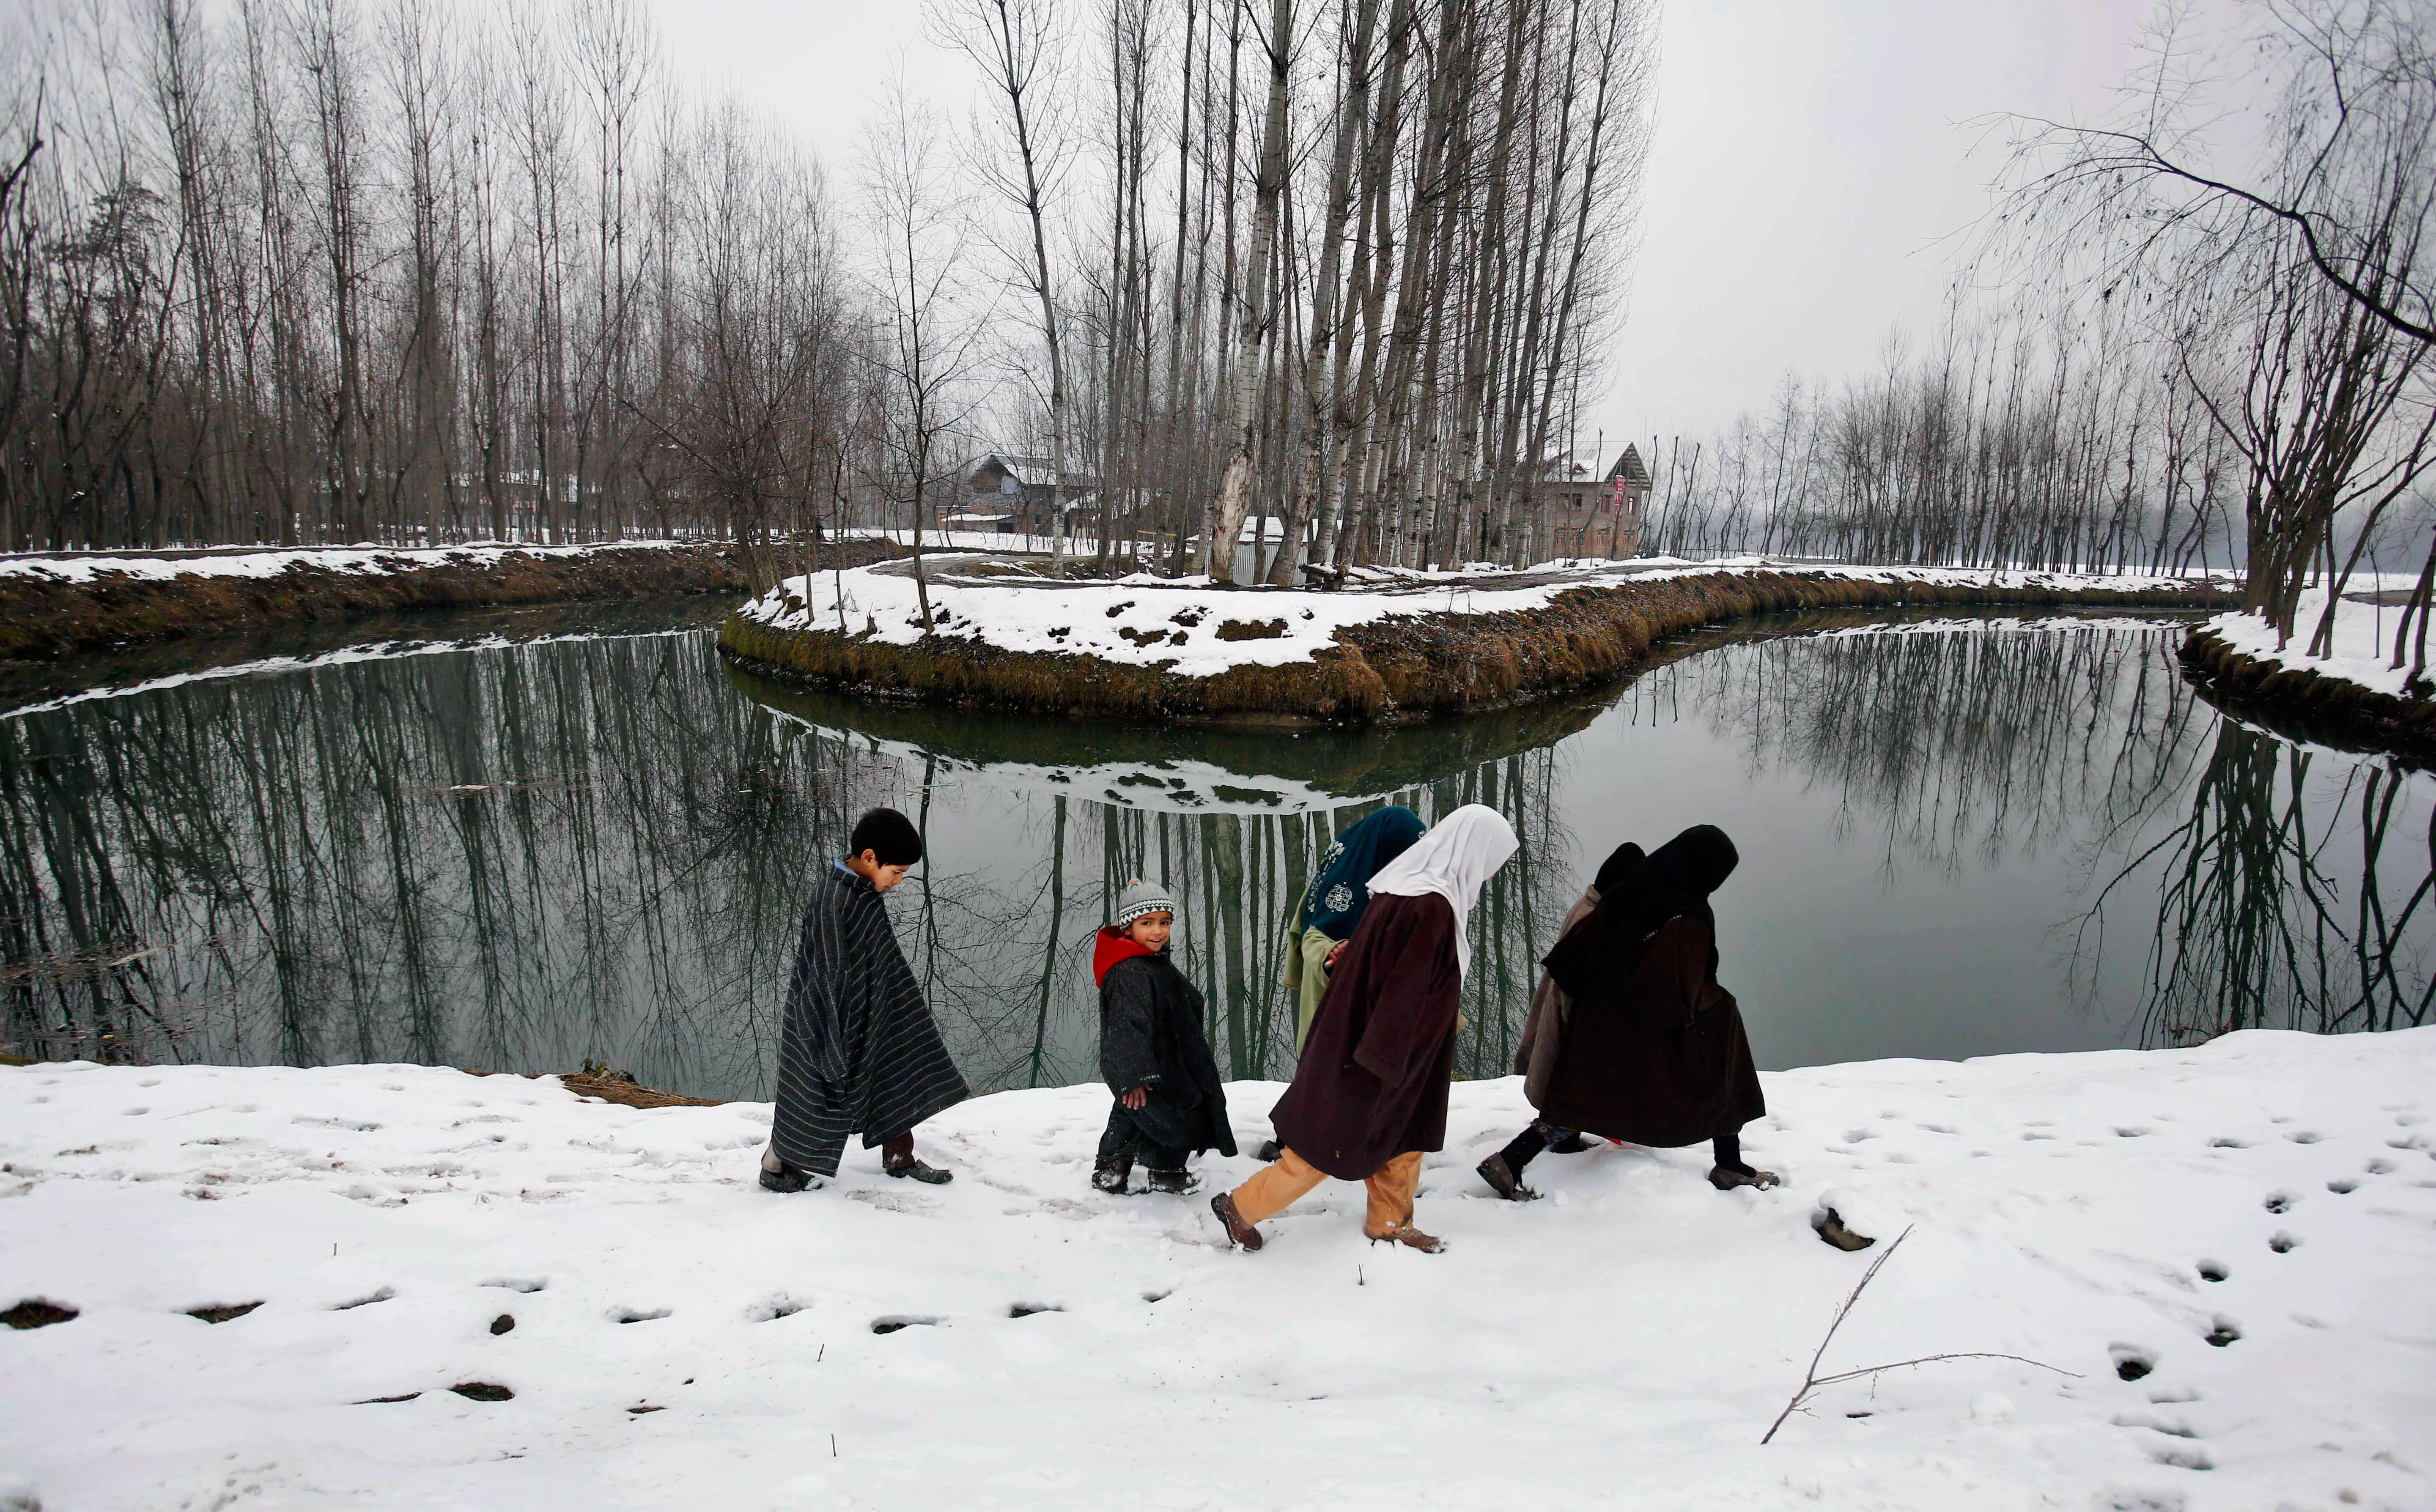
(1812, 1381)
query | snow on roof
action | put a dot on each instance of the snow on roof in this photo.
(1031, 472)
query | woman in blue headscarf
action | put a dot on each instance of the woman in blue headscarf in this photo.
(1334, 902)
(1323, 920)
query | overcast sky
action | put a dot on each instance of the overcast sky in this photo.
(1811, 185)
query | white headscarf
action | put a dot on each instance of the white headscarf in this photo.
(1454, 861)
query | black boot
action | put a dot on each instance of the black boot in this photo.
(1270, 1150)
(898, 1158)
(1570, 1144)
(1173, 1183)
(921, 1171)
(1111, 1174)
(777, 1175)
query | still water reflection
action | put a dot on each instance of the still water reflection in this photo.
(1957, 840)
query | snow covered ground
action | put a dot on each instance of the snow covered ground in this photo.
(1148, 620)
(2362, 644)
(71, 566)
(2248, 1228)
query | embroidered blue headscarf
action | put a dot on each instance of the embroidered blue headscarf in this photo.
(1342, 890)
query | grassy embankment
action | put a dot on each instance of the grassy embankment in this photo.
(46, 620)
(1389, 670)
(2303, 705)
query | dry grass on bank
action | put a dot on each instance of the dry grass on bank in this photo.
(1384, 671)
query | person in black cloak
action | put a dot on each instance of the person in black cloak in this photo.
(857, 1052)
(1535, 1056)
(1170, 1101)
(1649, 1048)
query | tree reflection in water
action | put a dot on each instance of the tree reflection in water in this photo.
(2275, 888)
(523, 856)
(2254, 928)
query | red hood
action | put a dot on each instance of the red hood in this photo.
(1112, 946)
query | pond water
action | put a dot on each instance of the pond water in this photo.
(1958, 837)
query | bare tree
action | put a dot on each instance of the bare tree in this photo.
(923, 353)
(1016, 45)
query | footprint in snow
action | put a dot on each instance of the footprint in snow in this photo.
(898, 1322)
(2156, 1423)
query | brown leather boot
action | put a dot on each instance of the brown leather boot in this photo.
(1404, 1233)
(1237, 1229)
(1503, 1180)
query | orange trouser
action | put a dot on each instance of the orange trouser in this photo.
(1277, 1188)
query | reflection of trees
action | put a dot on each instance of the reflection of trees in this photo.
(2253, 929)
(518, 857)
(511, 858)
(1953, 745)
(2282, 898)
(1239, 877)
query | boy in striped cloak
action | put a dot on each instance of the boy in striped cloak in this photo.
(858, 1053)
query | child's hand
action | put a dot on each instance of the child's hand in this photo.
(1136, 1098)
(1334, 952)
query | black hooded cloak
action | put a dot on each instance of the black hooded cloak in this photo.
(858, 1053)
(1654, 1050)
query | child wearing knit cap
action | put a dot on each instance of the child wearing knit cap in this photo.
(1170, 1102)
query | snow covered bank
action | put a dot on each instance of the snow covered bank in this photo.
(1402, 644)
(2354, 695)
(2245, 1228)
(54, 605)
(239, 561)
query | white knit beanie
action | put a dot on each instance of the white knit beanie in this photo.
(1141, 897)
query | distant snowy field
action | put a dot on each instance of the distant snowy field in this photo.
(1148, 620)
(1623, 1344)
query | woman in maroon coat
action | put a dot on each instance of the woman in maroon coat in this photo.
(1371, 1093)
(1652, 1050)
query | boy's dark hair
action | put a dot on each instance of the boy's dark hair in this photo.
(888, 835)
